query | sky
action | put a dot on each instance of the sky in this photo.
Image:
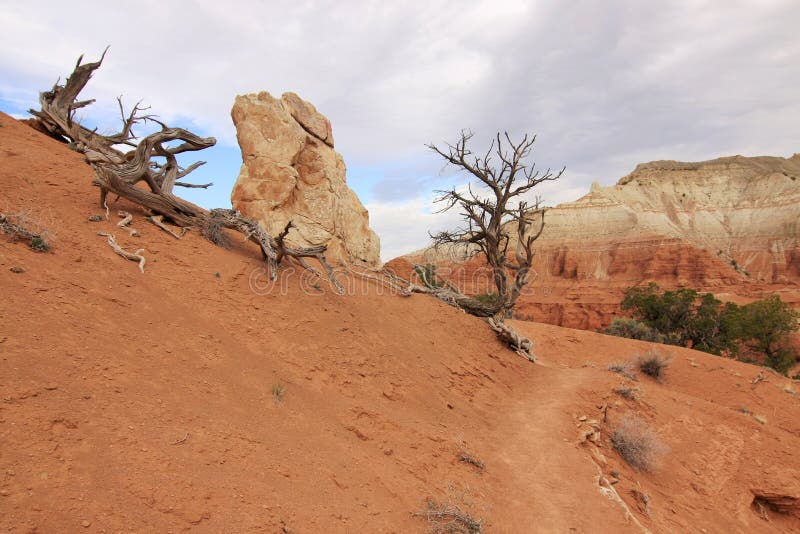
(604, 85)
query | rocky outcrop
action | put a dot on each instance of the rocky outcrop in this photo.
(290, 172)
(730, 226)
(744, 211)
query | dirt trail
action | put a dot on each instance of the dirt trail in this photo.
(147, 402)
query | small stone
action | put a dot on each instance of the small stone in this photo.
(86, 523)
(4, 493)
(582, 418)
(388, 452)
(17, 270)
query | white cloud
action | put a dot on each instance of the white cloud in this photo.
(606, 85)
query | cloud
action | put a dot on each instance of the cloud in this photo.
(605, 85)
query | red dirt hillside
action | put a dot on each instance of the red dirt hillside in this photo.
(179, 399)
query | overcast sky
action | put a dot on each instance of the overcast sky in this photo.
(604, 84)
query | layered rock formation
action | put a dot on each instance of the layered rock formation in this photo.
(290, 172)
(729, 226)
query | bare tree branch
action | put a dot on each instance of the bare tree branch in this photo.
(507, 173)
(120, 172)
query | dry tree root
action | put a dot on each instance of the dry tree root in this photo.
(158, 220)
(153, 160)
(126, 220)
(133, 256)
(506, 333)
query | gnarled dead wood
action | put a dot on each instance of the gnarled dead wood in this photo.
(133, 256)
(488, 312)
(158, 220)
(126, 220)
(153, 160)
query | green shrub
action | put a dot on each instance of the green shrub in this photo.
(39, 244)
(688, 318)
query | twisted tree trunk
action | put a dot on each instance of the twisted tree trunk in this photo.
(119, 172)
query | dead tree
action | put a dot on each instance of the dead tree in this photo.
(492, 211)
(153, 160)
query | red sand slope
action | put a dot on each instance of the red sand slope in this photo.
(144, 402)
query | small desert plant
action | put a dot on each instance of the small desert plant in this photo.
(627, 392)
(277, 393)
(637, 443)
(653, 364)
(23, 226)
(39, 244)
(623, 368)
(447, 517)
(469, 458)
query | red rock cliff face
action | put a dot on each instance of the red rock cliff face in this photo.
(729, 226)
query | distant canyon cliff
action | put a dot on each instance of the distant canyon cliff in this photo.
(729, 225)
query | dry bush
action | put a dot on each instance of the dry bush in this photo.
(278, 392)
(637, 443)
(452, 516)
(469, 458)
(25, 226)
(623, 368)
(653, 364)
(628, 392)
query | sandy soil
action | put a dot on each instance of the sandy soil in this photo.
(181, 399)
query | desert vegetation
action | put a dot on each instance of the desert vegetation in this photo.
(24, 227)
(757, 332)
(637, 443)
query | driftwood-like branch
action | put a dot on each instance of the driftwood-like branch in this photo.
(519, 344)
(133, 256)
(158, 220)
(126, 220)
(121, 173)
(488, 312)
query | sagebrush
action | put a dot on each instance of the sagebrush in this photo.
(637, 443)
